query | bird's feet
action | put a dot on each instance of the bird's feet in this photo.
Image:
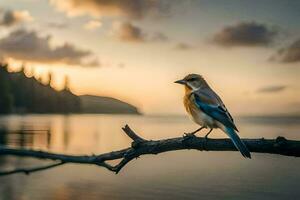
(187, 136)
(205, 142)
(206, 138)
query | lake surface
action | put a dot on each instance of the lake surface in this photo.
(187, 174)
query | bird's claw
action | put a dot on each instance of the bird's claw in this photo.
(187, 136)
(205, 143)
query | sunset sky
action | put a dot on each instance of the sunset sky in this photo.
(133, 50)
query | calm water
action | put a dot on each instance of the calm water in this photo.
(176, 175)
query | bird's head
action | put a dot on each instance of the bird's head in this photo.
(193, 82)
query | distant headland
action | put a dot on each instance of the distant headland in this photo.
(20, 94)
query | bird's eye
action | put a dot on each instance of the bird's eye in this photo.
(192, 79)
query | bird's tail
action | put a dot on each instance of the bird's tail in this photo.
(238, 142)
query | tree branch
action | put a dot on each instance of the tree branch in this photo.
(141, 146)
(27, 171)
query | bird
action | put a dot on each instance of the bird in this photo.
(207, 109)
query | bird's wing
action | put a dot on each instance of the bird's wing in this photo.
(211, 104)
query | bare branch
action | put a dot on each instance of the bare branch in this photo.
(27, 171)
(140, 146)
(130, 133)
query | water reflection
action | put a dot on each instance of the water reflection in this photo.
(101, 133)
(25, 137)
(64, 133)
(174, 175)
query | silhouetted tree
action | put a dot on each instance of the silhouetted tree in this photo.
(19, 93)
(49, 78)
(66, 83)
(6, 99)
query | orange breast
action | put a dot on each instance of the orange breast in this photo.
(189, 104)
(187, 101)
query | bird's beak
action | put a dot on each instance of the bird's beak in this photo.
(183, 82)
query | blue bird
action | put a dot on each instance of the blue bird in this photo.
(206, 108)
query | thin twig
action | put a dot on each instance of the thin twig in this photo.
(27, 171)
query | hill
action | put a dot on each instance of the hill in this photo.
(22, 94)
(98, 104)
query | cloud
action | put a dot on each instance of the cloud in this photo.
(57, 25)
(159, 37)
(289, 54)
(135, 9)
(28, 46)
(128, 32)
(10, 18)
(92, 25)
(245, 34)
(272, 89)
(183, 46)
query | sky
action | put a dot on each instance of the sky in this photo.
(133, 50)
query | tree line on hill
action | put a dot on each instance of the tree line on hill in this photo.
(22, 94)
